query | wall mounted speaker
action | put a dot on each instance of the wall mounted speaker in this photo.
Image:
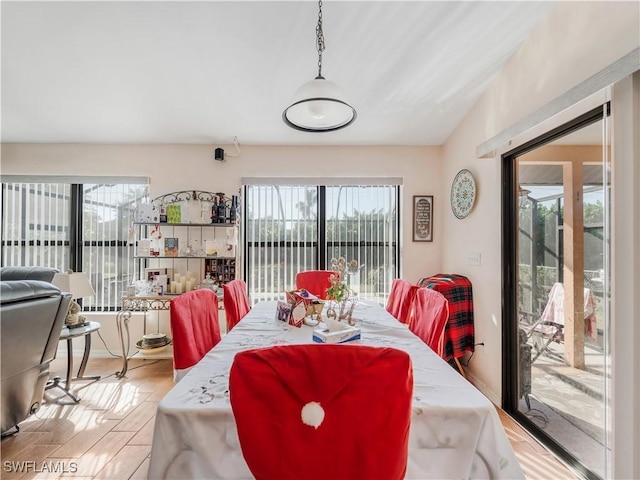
(219, 154)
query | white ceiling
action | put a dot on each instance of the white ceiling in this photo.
(206, 72)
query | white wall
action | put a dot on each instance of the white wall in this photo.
(188, 167)
(574, 42)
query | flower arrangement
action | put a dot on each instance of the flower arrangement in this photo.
(342, 298)
(339, 290)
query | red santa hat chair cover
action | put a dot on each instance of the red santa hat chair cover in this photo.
(315, 282)
(400, 299)
(194, 328)
(236, 302)
(323, 411)
(429, 316)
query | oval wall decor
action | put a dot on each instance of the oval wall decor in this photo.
(463, 193)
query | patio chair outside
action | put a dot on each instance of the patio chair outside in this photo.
(549, 326)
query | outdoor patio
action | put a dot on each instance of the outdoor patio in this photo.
(568, 403)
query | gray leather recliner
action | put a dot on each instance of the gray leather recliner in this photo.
(32, 314)
(44, 274)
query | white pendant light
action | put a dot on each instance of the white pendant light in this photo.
(319, 105)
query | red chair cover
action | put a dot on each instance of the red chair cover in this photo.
(400, 299)
(194, 326)
(365, 393)
(236, 302)
(429, 317)
(315, 281)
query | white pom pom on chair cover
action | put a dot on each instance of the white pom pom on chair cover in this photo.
(323, 411)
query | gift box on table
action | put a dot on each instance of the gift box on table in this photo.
(302, 304)
(291, 314)
(296, 296)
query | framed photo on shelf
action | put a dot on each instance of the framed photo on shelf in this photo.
(171, 247)
(423, 218)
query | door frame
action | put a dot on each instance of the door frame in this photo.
(510, 343)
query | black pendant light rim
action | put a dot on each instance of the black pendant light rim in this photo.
(325, 129)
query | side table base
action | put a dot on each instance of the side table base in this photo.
(57, 383)
(69, 334)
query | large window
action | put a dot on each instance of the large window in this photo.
(79, 226)
(291, 228)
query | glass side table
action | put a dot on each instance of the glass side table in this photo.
(69, 334)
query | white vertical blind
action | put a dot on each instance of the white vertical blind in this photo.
(277, 235)
(36, 231)
(283, 226)
(362, 227)
(108, 213)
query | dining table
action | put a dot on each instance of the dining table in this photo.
(455, 430)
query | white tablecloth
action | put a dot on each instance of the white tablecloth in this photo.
(455, 430)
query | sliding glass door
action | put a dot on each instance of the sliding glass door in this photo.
(558, 283)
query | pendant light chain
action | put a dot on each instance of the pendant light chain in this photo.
(319, 39)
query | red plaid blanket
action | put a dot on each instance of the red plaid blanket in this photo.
(459, 333)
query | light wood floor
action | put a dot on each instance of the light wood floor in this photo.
(108, 434)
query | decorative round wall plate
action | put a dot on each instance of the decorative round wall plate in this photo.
(463, 193)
